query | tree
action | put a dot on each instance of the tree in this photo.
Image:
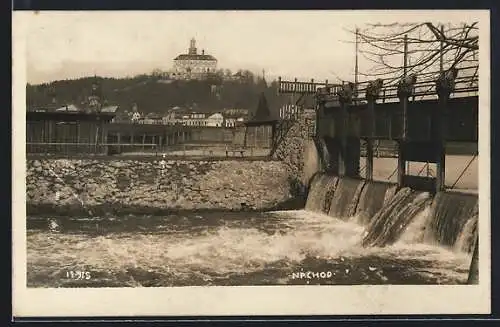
(156, 73)
(262, 113)
(248, 76)
(220, 72)
(152, 96)
(383, 45)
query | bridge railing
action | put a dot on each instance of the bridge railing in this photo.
(426, 89)
(300, 87)
(466, 84)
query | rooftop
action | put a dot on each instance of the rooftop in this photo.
(70, 107)
(109, 109)
(68, 116)
(195, 57)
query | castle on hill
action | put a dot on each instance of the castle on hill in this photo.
(193, 65)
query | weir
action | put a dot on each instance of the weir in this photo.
(420, 117)
(453, 213)
(389, 214)
(372, 199)
(346, 198)
(321, 192)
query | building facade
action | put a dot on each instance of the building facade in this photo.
(229, 122)
(215, 120)
(136, 117)
(194, 65)
(152, 119)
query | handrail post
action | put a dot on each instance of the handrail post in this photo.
(372, 93)
(444, 87)
(345, 98)
(405, 89)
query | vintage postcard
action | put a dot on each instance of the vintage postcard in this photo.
(251, 163)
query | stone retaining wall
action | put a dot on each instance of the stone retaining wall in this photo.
(124, 185)
(298, 152)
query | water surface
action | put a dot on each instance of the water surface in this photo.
(240, 248)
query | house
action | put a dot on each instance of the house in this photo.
(193, 119)
(235, 112)
(176, 116)
(197, 119)
(215, 120)
(229, 122)
(70, 107)
(152, 119)
(170, 118)
(136, 117)
(239, 122)
(186, 118)
(109, 109)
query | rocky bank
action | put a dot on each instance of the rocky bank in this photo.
(112, 186)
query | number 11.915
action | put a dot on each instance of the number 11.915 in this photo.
(78, 275)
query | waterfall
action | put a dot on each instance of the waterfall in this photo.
(320, 192)
(322, 151)
(372, 199)
(346, 197)
(389, 193)
(467, 237)
(451, 213)
(450, 219)
(414, 232)
(388, 224)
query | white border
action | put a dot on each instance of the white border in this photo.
(270, 300)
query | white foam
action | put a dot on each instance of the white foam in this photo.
(233, 249)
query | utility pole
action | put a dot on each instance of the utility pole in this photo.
(404, 103)
(356, 68)
(441, 48)
(442, 125)
(405, 56)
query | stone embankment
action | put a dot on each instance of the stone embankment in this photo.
(70, 186)
(298, 152)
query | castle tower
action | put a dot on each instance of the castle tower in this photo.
(192, 47)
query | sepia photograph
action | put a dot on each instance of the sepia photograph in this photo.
(231, 151)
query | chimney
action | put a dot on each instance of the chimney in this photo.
(203, 51)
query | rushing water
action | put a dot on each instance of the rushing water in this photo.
(236, 249)
(352, 232)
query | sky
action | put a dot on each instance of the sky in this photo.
(291, 44)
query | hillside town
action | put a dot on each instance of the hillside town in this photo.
(185, 117)
(193, 66)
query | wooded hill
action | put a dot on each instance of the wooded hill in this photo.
(153, 94)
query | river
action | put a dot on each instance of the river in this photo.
(230, 249)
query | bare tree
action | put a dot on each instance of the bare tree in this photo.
(383, 46)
